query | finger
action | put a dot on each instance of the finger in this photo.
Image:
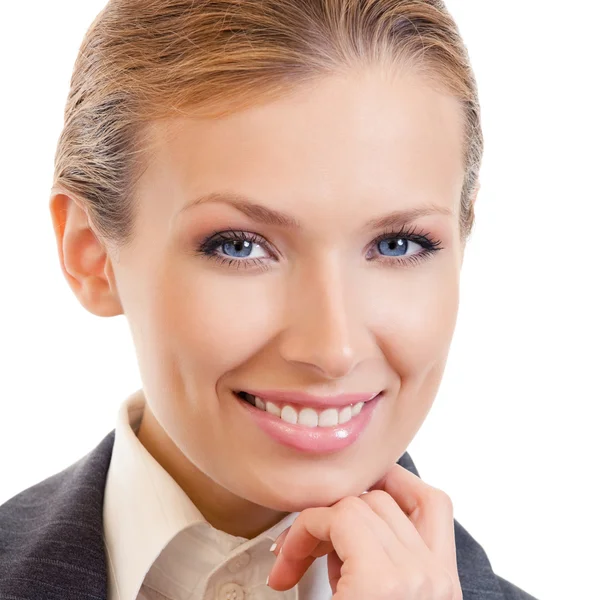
(386, 507)
(348, 525)
(321, 549)
(334, 568)
(429, 509)
(382, 504)
(300, 552)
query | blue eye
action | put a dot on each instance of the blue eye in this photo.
(236, 248)
(239, 248)
(397, 246)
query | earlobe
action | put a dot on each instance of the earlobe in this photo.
(83, 258)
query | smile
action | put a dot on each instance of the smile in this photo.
(310, 429)
(306, 416)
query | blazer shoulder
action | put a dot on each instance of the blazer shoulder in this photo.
(39, 499)
(53, 532)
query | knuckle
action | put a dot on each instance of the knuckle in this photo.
(444, 587)
(438, 496)
(391, 587)
(410, 585)
(415, 585)
(422, 586)
(376, 497)
(378, 494)
(349, 507)
(350, 504)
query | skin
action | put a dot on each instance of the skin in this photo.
(393, 541)
(325, 312)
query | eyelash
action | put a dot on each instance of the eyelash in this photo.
(208, 246)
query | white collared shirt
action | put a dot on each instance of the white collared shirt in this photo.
(160, 547)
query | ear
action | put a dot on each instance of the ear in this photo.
(84, 260)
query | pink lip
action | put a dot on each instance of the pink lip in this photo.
(303, 399)
(311, 439)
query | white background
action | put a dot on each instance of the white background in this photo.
(513, 435)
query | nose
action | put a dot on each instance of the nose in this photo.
(326, 330)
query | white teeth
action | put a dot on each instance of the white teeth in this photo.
(356, 408)
(271, 408)
(330, 417)
(289, 415)
(308, 417)
(345, 414)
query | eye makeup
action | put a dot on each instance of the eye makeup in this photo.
(211, 247)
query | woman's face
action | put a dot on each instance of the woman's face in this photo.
(331, 305)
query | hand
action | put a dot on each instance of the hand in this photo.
(394, 542)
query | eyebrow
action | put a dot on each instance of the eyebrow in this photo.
(270, 216)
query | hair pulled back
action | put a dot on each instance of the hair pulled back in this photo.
(146, 60)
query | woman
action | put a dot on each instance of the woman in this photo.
(277, 195)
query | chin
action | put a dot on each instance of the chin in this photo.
(300, 497)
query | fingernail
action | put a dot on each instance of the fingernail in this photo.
(267, 582)
(280, 539)
(272, 548)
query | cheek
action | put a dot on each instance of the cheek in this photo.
(412, 314)
(415, 337)
(218, 320)
(197, 316)
(418, 323)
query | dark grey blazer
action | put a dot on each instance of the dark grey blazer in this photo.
(52, 545)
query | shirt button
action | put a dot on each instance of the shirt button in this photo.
(231, 591)
(239, 562)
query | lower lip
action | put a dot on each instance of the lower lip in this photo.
(312, 439)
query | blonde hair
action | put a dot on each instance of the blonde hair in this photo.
(146, 60)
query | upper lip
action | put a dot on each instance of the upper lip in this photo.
(305, 399)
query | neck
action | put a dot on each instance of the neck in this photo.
(222, 509)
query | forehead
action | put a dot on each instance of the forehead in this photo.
(354, 137)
